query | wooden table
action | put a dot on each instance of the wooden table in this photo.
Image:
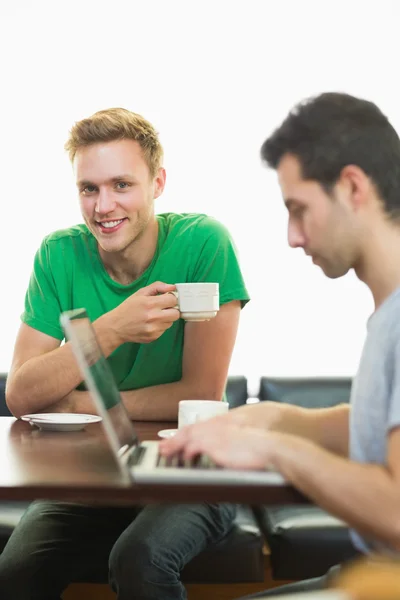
(79, 467)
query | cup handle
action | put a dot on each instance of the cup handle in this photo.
(176, 296)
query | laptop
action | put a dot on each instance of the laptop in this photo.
(141, 461)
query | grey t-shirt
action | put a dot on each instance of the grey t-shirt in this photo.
(375, 395)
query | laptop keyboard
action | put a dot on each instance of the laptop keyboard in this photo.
(176, 461)
(198, 462)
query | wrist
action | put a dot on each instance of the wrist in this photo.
(284, 417)
(275, 449)
(108, 334)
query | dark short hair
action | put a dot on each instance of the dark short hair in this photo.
(333, 130)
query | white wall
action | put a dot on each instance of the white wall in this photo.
(215, 77)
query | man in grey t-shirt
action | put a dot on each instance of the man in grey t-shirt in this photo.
(338, 164)
(375, 413)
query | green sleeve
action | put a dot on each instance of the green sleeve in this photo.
(218, 261)
(42, 307)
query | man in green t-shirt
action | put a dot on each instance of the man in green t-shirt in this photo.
(120, 266)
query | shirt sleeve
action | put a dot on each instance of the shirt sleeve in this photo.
(42, 307)
(218, 261)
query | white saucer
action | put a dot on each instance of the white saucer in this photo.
(60, 421)
(167, 433)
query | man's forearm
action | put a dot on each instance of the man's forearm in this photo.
(365, 496)
(45, 380)
(154, 403)
(327, 427)
(160, 402)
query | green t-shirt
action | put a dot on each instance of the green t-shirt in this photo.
(68, 273)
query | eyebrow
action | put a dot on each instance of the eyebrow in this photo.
(124, 177)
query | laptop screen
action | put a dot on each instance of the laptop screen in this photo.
(99, 379)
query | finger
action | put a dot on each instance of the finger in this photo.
(165, 301)
(170, 315)
(195, 446)
(175, 444)
(158, 287)
(206, 438)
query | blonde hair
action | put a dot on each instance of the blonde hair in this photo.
(117, 124)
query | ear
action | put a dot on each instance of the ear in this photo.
(159, 182)
(356, 186)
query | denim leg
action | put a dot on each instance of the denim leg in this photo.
(53, 544)
(146, 560)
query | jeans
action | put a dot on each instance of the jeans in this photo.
(145, 548)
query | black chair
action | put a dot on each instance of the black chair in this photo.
(236, 391)
(305, 541)
(316, 392)
(4, 411)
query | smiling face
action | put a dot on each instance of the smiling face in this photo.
(116, 192)
(325, 226)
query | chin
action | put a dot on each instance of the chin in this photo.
(335, 272)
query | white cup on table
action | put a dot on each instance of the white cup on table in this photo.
(191, 411)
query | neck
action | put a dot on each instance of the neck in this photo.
(129, 264)
(379, 266)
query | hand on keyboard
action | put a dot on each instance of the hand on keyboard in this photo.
(177, 461)
(227, 445)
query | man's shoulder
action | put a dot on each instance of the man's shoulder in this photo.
(191, 224)
(384, 324)
(64, 235)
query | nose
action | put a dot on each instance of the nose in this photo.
(105, 202)
(295, 236)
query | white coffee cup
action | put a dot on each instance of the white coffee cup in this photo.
(197, 301)
(191, 411)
